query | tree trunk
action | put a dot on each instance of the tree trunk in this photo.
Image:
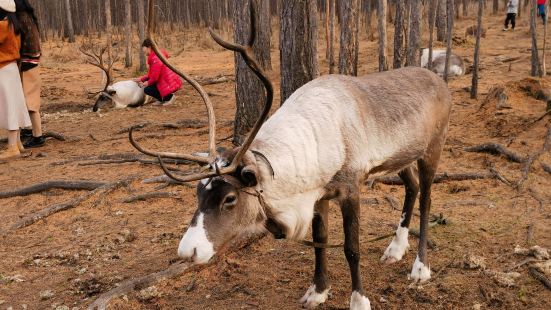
(450, 4)
(297, 45)
(465, 8)
(70, 28)
(249, 91)
(348, 55)
(441, 23)
(474, 85)
(264, 33)
(399, 34)
(414, 36)
(332, 36)
(108, 32)
(543, 67)
(535, 63)
(128, 33)
(141, 29)
(432, 13)
(369, 13)
(381, 27)
(495, 7)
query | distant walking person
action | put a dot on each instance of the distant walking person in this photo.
(13, 112)
(541, 10)
(30, 73)
(160, 82)
(512, 10)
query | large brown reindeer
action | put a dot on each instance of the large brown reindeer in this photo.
(320, 145)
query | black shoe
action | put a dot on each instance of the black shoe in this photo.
(35, 142)
(26, 133)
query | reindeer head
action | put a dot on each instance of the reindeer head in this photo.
(105, 97)
(229, 194)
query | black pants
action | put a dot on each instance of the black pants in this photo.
(510, 17)
(154, 92)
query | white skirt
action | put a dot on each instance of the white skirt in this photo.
(13, 110)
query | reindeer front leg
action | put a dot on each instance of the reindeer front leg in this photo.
(350, 208)
(318, 291)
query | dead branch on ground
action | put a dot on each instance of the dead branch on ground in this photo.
(496, 149)
(546, 167)
(540, 277)
(439, 178)
(152, 195)
(56, 184)
(172, 271)
(215, 80)
(531, 159)
(165, 179)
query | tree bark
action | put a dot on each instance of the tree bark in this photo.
(108, 31)
(495, 7)
(474, 85)
(441, 23)
(249, 91)
(348, 55)
(141, 29)
(543, 66)
(128, 33)
(297, 45)
(399, 34)
(70, 28)
(381, 26)
(535, 63)
(331, 36)
(465, 8)
(432, 15)
(414, 36)
(450, 7)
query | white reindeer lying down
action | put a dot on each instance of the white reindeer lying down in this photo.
(123, 94)
(457, 67)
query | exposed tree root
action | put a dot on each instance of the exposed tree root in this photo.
(172, 271)
(496, 149)
(165, 179)
(134, 159)
(531, 159)
(152, 195)
(546, 167)
(59, 184)
(540, 277)
(439, 178)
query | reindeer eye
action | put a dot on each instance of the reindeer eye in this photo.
(229, 202)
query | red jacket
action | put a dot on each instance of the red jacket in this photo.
(541, 2)
(166, 80)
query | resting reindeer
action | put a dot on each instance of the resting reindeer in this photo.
(320, 145)
(123, 94)
(457, 67)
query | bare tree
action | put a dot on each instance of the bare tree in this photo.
(349, 18)
(465, 7)
(381, 26)
(441, 23)
(249, 90)
(543, 67)
(432, 13)
(535, 63)
(399, 34)
(109, 31)
(414, 36)
(474, 85)
(450, 8)
(331, 47)
(141, 29)
(495, 7)
(70, 28)
(297, 45)
(128, 34)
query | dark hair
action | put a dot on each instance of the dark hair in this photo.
(147, 43)
(25, 6)
(12, 20)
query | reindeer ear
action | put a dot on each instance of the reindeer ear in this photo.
(249, 173)
(111, 92)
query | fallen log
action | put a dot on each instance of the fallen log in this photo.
(496, 149)
(540, 277)
(56, 184)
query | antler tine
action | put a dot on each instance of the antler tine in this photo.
(197, 86)
(198, 159)
(187, 178)
(246, 53)
(97, 58)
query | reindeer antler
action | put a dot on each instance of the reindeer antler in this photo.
(95, 56)
(246, 53)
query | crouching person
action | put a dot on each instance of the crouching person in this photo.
(160, 83)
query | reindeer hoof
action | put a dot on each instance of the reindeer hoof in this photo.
(312, 299)
(419, 273)
(397, 248)
(359, 302)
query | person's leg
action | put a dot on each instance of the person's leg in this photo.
(506, 24)
(37, 123)
(13, 145)
(152, 91)
(513, 18)
(31, 89)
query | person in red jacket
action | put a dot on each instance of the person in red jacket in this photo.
(160, 82)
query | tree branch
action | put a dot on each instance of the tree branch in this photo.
(496, 149)
(59, 184)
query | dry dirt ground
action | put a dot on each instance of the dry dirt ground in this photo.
(73, 256)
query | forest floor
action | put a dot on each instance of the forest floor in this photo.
(70, 258)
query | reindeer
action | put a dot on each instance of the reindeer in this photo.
(457, 67)
(123, 93)
(323, 142)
